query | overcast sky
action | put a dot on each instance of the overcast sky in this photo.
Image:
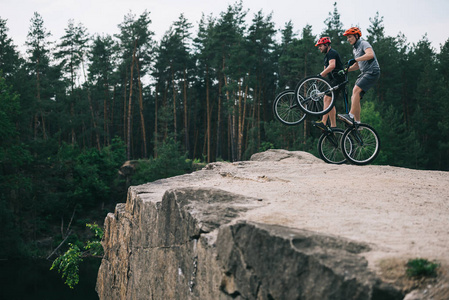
(413, 18)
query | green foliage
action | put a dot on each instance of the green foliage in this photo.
(68, 263)
(370, 115)
(88, 176)
(399, 145)
(420, 267)
(95, 246)
(9, 110)
(265, 146)
(170, 162)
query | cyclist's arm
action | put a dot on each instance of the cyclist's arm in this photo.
(354, 67)
(369, 54)
(329, 68)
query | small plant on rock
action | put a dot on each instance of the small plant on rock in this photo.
(420, 267)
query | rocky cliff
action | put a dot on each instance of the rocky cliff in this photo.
(281, 226)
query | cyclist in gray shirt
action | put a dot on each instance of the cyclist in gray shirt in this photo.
(364, 60)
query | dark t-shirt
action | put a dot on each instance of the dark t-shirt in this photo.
(333, 54)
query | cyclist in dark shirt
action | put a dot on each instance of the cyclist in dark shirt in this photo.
(332, 65)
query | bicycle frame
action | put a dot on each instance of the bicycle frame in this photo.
(345, 91)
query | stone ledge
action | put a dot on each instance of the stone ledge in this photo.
(195, 245)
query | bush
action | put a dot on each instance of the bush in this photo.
(421, 267)
(170, 162)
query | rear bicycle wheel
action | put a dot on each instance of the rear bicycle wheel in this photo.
(286, 108)
(329, 147)
(310, 94)
(360, 144)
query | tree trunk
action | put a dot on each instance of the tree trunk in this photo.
(106, 139)
(91, 108)
(124, 106)
(186, 121)
(38, 123)
(111, 119)
(217, 149)
(174, 103)
(155, 121)
(142, 119)
(258, 114)
(208, 116)
(128, 148)
(241, 127)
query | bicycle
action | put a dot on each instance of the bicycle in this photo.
(364, 144)
(286, 109)
(291, 107)
(359, 143)
(288, 112)
(329, 146)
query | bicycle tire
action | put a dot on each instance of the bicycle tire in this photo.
(287, 110)
(310, 94)
(364, 144)
(329, 147)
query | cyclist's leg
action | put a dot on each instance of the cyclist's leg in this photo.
(333, 112)
(362, 85)
(326, 103)
(357, 93)
(333, 117)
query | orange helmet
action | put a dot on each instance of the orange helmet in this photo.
(323, 40)
(353, 30)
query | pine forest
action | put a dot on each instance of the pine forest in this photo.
(72, 112)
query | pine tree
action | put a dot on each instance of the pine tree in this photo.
(426, 99)
(228, 39)
(71, 54)
(101, 78)
(183, 63)
(443, 106)
(261, 43)
(204, 70)
(388, 88)
(334, 29)
(135, 51)
(39, 65)
(9, 57)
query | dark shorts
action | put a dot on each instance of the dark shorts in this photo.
(334, 82)
(365, 81)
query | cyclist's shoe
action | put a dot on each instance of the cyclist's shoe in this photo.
(321, 125)
(346, 118)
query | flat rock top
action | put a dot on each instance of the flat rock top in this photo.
(400, 212)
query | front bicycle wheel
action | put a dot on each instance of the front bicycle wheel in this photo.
(329, 147)
(310, 94)
(286, 108)
(360, 144)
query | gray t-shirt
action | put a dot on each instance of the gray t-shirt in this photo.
(368, 66)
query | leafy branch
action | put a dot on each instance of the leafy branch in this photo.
(68, 263)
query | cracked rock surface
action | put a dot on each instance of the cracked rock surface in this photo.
(284, 225)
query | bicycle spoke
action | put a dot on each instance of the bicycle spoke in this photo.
(286, 108)
(329, 147)
(310, 94)
(364, 144)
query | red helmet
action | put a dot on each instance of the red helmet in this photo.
(353, 30)
(323, 40)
